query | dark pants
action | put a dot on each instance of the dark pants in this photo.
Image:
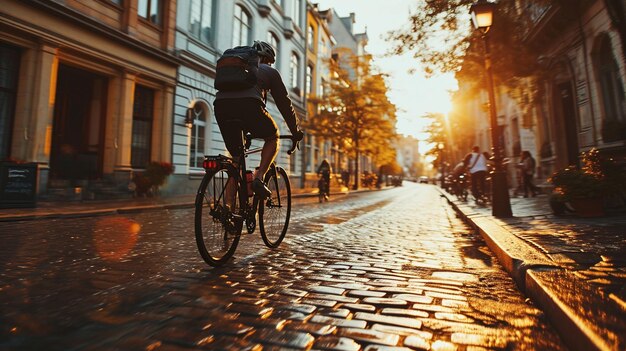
(248, 115)
(528, 185)
(478, 183)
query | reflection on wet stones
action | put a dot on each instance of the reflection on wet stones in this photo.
(389, 273)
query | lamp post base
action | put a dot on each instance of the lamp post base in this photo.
(500, 201)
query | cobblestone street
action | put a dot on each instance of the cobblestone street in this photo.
(383, 270)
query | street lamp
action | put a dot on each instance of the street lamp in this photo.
(441, 160)
(482, 18)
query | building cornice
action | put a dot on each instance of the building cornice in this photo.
(71, 15)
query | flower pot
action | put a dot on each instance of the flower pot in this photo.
(591, 207)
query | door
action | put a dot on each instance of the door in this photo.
(568, 109)
(78, 125)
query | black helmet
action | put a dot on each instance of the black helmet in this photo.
(265, 49)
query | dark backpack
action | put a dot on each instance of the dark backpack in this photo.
(236, 69)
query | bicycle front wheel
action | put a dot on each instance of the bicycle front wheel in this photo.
(218, 219)
(274, 212)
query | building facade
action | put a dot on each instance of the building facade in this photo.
(205, 29)
(319, 50)
(87, 90)
(582, 104)
(349, 43)
(576, 102)
(408, 155)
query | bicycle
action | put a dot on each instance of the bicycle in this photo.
(225, 201)
(324, 189)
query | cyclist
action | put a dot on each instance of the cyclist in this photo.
(248, 106)
(323, 172)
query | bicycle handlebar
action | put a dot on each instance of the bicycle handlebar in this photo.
(295, 144)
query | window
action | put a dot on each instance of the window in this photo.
(9, 68)
(293, 69)
(295, 12)
(143, 109)
(272, 39)
(309, 79)
(241, 27)
(311, 38)
(198, 135)
(612, 89)
(117, 2)
(322, 49)
(150, 10)
(201, 21)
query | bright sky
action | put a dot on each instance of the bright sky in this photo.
(413, 94)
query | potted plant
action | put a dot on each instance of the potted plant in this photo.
(588, 188)
(149, 181)
(582, 190)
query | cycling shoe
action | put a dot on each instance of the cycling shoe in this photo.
(260, 189)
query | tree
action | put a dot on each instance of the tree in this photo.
(441, 37)
(356, 113)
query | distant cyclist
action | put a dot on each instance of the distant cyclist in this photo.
(248, 106)
(323, 172)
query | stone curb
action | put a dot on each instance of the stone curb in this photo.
(533, 272)
(571, 305)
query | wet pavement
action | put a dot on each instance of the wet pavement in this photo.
(586, 259)
(384, 270)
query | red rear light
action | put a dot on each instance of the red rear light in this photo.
(210, 164)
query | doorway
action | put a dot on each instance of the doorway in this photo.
(568, 110)
(78, 125)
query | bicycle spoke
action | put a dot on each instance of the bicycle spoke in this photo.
(275, 211)
(216, 225)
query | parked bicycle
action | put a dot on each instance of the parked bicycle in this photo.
(460, 186)
(225, 202)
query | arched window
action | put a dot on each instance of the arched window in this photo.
(612, 91)
(198, 134)
(273, 40)
(242, 27)
(294, 67)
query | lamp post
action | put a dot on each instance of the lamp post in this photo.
(440, 146)
(482, 18)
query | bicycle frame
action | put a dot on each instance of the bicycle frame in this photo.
(248, 210)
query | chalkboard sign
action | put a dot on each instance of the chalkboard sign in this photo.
(18, 184)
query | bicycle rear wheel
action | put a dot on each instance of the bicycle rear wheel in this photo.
(218, 220)
(274, 211)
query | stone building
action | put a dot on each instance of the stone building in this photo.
(86, 90)
(582, 105)
(577, 101)
(349, 43)
(204, 30)
(319, 50)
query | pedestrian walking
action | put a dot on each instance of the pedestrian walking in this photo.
(476, 163)
(527, 165)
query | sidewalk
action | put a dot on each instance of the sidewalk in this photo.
(573, 268)
(48, 209)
